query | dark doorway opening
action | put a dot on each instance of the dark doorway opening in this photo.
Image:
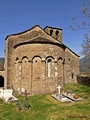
(1, 81)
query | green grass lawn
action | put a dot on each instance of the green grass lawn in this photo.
(45, 107)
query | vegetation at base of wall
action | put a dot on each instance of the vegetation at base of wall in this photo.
(82, 90)
(45, 107)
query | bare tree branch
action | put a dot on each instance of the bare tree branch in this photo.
(84, 25)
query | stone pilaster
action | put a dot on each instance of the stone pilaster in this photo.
(30, 77)
(56, 73)
(43, 68)
(20, 77)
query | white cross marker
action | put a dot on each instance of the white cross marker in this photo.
(59, 87)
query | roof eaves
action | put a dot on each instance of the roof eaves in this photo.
(52, 28)
(73, 51)
(22, 32)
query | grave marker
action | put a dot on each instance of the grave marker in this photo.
(59, 88)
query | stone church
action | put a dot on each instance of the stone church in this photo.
(36, 60)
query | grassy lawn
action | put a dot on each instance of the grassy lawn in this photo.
(45, 107)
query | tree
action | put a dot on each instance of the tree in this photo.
(84, 25)
(86, 47)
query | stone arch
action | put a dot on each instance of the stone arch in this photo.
(49, 57)
(37, 67)
(17, 59)
(36, 56)
(1, 81)
(60, 68)
(24, 57)
(24, 72)
(25, 66)
(37, 73)
(60, 58)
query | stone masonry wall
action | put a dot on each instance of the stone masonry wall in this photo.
(84, 78)
(37, 55)
(71, 66)
(2, 73)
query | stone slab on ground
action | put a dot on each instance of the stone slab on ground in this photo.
(7, 95)
(71, 98)
(62, 99)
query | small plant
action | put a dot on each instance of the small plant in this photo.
(22, 105)
(27, 105)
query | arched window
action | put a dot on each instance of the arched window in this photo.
(49, 60)
(1, 81)
(50, 67)
(51, 32)
(57, 32)
(72, 76)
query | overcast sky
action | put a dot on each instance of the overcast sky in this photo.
(19, 15)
